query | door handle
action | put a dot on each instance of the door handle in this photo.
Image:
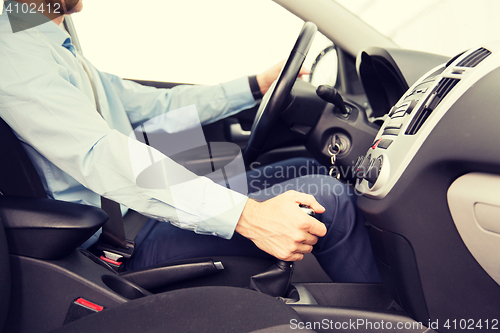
(237, 133)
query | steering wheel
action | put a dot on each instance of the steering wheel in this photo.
(274, 100)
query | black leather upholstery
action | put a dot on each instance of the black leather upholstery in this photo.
(17, 174)
(47, 229)
(4, 278)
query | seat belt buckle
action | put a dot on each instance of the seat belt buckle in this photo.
(116, 251)
(112, 259)
(114, 256)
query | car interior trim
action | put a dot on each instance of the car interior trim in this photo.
(475, 206)
(342, 31)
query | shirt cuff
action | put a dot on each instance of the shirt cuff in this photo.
(239, 94)
(223, 225)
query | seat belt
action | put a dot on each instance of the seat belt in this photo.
(113, 238)
(113, 231)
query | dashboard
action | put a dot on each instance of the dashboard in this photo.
(429, 185)
(415, 115)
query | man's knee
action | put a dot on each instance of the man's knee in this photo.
(323, 186)
(338, 199)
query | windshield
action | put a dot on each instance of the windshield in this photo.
(444, 27)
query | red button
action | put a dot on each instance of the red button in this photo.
(89, 305)
(111, 261)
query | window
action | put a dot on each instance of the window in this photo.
(445, 27)
(191, 41)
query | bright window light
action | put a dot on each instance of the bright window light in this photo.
(192, 41)
(445, 27)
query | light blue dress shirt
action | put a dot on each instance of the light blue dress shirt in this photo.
(47, 99)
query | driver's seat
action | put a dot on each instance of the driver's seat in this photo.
(205, 309)
(18, 177)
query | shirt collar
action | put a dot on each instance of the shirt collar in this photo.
(53, 32)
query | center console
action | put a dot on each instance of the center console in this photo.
(427, 190)
(414, 117)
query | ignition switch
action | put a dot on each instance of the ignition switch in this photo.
(338, 145)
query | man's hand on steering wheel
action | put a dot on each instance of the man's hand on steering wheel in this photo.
(266, 79)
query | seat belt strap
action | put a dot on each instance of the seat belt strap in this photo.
(113, 231)
(113, 237)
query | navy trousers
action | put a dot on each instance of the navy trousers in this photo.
(344, 252)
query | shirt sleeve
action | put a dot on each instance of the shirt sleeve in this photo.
(212, 102)
(58, 120)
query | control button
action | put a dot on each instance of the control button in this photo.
(384, 144)
(399, 108)
(391, 111)
(394, 125)
(89, 305)
(398, 114)
(412, 106)
(358, 163)
(403, 105)
(374, 144)
(373, 172)
(361, 170)
(391, 131)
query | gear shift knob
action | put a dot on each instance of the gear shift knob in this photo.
(306, 209)
(276, 280)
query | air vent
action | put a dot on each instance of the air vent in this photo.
(442, 89)
(473, 59)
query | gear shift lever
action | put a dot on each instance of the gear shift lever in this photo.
(276, 280)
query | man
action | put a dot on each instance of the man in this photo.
(47, 98)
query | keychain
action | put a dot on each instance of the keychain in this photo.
(334, 148)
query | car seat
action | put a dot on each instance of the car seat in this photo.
(18, 177)
(204, 309)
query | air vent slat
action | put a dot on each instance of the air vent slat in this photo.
(422, 118)
(442, 89)
(445, 86)
(473, 59)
